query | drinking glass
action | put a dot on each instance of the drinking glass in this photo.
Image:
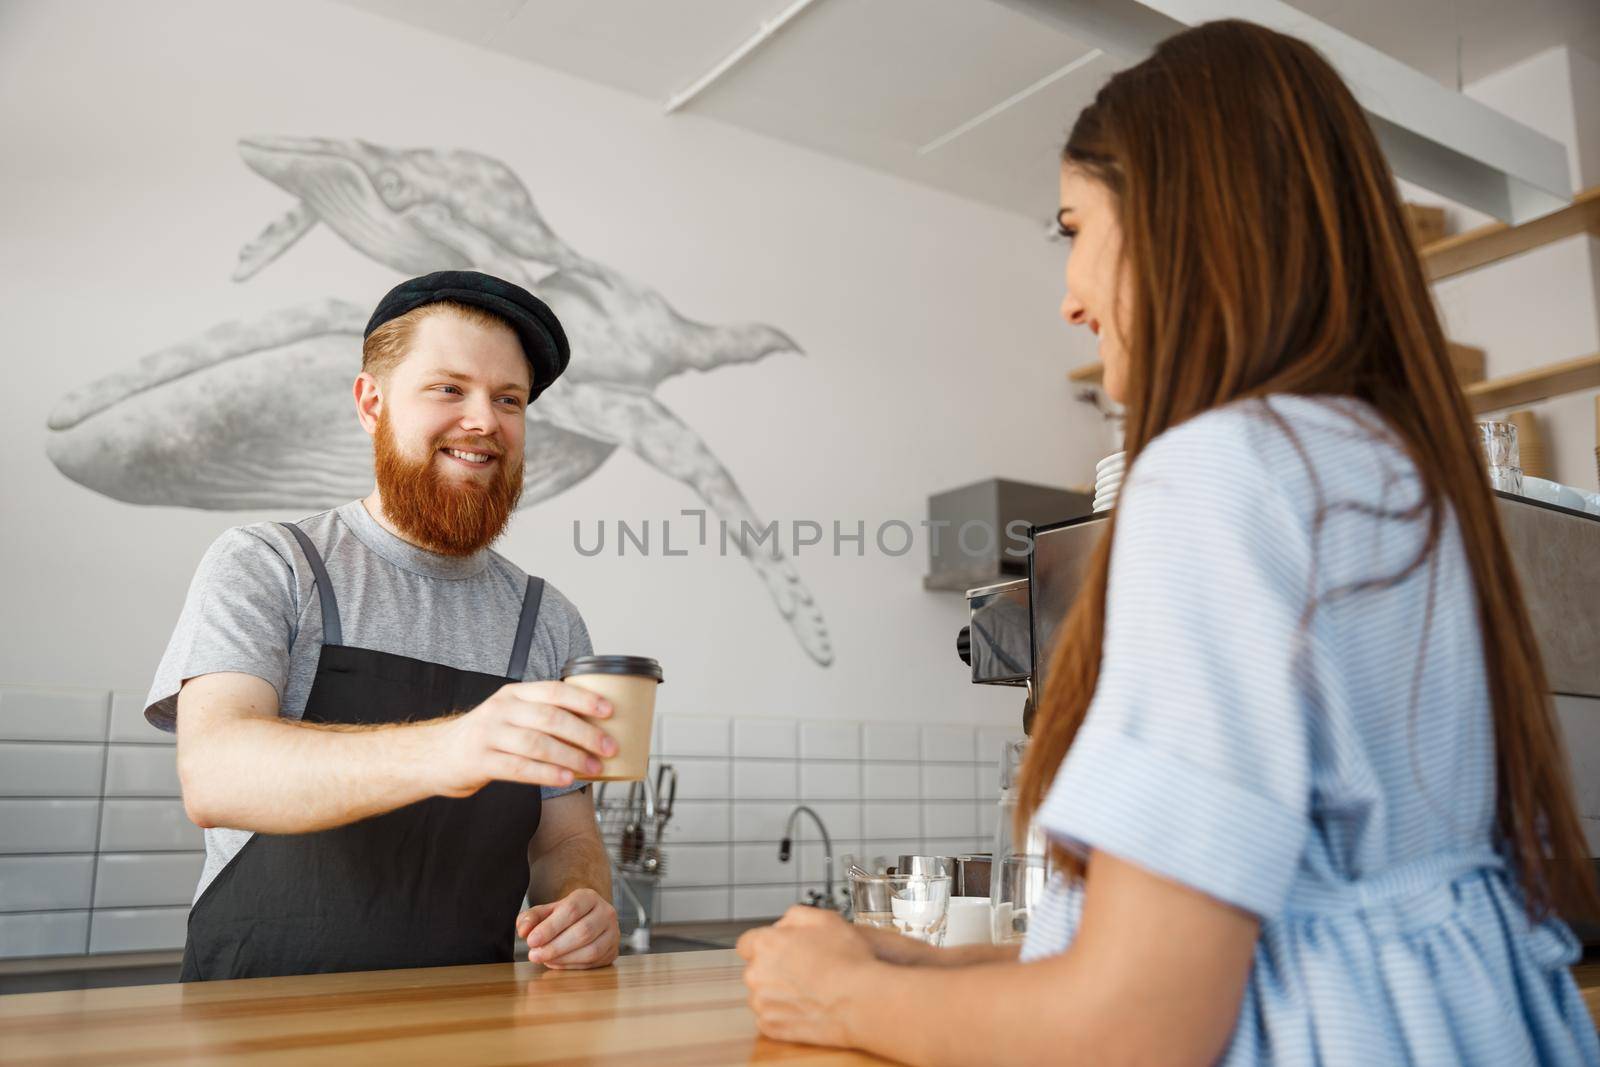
(1499, 443)
(1018, 885)
(1005, 842)
(915, 905)
(1498, 440)
(1506, 479)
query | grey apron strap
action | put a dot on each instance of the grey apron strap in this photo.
(530, 615)
(331, 633)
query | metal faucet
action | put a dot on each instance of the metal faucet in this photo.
(786, 846)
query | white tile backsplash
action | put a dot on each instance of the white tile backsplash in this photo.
(991, 739)
(763, 902)
(759, 865)
(147, 826)
(765, 738)
(760, 820)
(824, 780)
(142, 771)
(830, 740)
(47, 933)
(765, 780)
(45, 883)
(882, 789)
(841, 817)
(891, 820)
(949, 781)
(695, 905)
(891, 741)
(129, 724)
(695, 865)
(698, 779)
(886, 849)
(948, 744)
(698, 822)
(943, 819)
(142, 879)
(891, 781)
(693, 735)
(951, 846)
(138, 929)
(28, 714)
(30, 769)
(812, 868)
(988, 818)
(48, 825)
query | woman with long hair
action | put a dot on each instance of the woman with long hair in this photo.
(1296, 758)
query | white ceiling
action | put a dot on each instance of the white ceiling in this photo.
(1492, 34)
(874, 81)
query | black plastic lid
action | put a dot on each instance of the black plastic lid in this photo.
(643, 666)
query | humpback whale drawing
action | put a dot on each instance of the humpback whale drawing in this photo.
(256, 414)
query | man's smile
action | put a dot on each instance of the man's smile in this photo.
(474, 460)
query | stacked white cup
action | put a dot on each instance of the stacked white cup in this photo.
(1108, 480)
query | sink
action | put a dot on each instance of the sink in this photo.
(668, 943)
(696, 936)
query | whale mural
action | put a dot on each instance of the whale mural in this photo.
(255, 414)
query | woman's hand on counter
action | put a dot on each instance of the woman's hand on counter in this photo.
(578, 931)
(804, 973)
(903, 951)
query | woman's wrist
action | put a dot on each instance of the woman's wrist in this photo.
(894, 948)
(859, 984)
(970, 955)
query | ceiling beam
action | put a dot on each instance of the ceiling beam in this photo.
(1438, 138)
(1011, 101)
(764, 33)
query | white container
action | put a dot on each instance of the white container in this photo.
(1548, 492)
(970, 922)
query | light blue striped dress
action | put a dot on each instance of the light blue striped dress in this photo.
(1294, 776)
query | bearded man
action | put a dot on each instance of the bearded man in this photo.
(370, 721)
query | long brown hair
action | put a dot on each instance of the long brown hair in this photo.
(1267, 254)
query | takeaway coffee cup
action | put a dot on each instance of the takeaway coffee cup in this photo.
(629, 682)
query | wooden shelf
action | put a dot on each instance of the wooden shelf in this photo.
(1541, 383)
(1515, 390)
(1497, 241)
(1476, 248)
(1468, 362)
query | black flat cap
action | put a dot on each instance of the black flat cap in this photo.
(544, 342)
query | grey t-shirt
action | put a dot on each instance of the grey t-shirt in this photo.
(253, 608)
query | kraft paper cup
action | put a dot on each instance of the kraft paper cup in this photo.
(629, 682)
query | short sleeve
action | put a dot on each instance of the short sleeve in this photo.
(239, 616)
(578, 642)
(570, 637)
(1193, 761)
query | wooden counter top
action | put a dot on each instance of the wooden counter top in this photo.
(678, 1008)
(667, 1010)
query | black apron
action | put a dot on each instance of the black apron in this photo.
(435, 883)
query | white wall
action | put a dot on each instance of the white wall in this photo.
(1543, 306)
(934, 354)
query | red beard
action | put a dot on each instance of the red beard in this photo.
(444, 515)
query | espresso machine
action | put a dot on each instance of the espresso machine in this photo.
(1013, 624)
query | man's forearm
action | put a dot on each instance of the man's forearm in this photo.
(281, 777)
(577, 861)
